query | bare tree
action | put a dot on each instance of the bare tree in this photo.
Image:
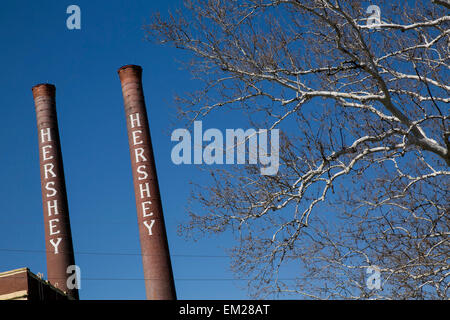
(363, 177)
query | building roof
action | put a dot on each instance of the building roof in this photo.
(22, 284)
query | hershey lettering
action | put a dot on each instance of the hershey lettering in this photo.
(50, 191)
(141, 172)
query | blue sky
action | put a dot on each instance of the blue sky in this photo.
(37, 47)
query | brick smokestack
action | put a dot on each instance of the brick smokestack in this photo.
(159, 283)
(58, 238)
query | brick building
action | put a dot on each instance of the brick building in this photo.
(22, 284)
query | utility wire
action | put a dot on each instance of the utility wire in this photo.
(189, 279)
(174, 255)
(116, 253)
(207, 279)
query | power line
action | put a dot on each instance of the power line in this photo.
(72, 222)
(186, 279)
(191, 279)
(117, 253)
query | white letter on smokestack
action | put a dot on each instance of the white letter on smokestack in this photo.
(141, 170)
(145, 190)
(45, 152)
(48, 167)
(139, 153)
(53, 226)
(54, 206)
(136, 119)
(149, 227)
(135, 137)
(45, 134)
(55, 245)
(48, 188)
(145, 209)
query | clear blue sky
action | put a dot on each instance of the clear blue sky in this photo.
(37, 47)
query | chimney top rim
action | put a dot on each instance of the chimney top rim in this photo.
(133, 66)
(43, 84)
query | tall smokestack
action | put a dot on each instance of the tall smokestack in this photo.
(58, 237)
(159, 283)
